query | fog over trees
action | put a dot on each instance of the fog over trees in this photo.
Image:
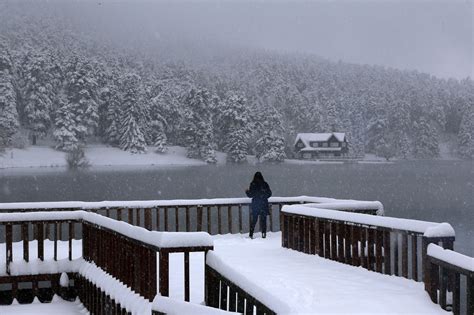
(63, 77)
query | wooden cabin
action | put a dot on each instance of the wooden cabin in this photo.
(330, 145)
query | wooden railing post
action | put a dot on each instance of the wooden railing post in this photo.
(470, 294)
(164, 272)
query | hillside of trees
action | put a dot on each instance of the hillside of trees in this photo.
(57, 81)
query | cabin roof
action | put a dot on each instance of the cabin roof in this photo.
(318, 137)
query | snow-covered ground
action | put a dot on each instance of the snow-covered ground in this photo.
(98, 155)
(57, 307)
(290, 281)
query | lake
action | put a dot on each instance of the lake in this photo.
(441, 191)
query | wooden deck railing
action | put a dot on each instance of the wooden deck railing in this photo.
(445, 270)
(215, 216)
(381, 244)
(226, 295)
(125, 252)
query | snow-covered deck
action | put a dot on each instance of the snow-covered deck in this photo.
(287, 281)
(290, 282)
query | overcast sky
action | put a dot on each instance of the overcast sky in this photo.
(429, 36)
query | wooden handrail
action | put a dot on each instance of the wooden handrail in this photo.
(444, 276)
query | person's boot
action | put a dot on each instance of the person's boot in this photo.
(264, 234)
(251, 234)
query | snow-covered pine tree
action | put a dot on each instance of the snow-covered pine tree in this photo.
(270, 147)
(425, 142)
(111, 100)
(160, 142)
(8, 113)
(233, 127)
(466, 134)
(133, 118)
(64, 128)
(38, 96)
(81, 94)
(198, 125)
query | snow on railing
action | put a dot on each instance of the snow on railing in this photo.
(153, 238)
(173, 203)
(445, 270)
(430, 229)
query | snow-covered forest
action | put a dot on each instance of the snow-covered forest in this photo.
(61, 81)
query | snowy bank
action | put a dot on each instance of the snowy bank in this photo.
(97, 155)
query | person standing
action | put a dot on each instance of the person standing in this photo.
(259, 191)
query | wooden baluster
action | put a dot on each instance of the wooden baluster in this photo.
(219, 220)
(396, 255)
(378, 250)
(340, 242)
(148, 224)
(320, 237)
(223, 303)
(284, 230)
(355, 236)
(158, 210)
(167, 229)
(314, 244)
(470, 294)
(208, 214)
(71, 237)
(301, 235)
(107, 213)
(387, 253)
(370, 249)
(26, 242)
(240, 304)
(119, 214)
(327, 239)
(443, 287)
(188, 220)
(333, 241)
(248, 307)
(176, 219)
(347, 244)
(40, 238)
(9, 245)
(240, 218)
(229, 218)
(456, 285)
(164, 272)
(414, 257)
(289, 226)
(186, 277)
(130, 216)
(404, 255)
(307, 235)
(250, 217)
(199, 218)
(432, 276)
(363, 240)
(232, 300)
(139, 216)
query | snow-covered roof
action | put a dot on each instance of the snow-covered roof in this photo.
(320, 149)
(318, 137)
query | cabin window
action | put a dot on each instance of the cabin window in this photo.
(344, 144)
(325, 144)
(306, 155)
(300, 144)
(334, 144)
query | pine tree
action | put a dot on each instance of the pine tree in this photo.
(425, 140)
(133, 118)
(64, 128)
(38, 96)
(270, 147)
(233, 127)
(8, 113)
(466, 134)
(81, 94)
(198, 125)
(160, 143)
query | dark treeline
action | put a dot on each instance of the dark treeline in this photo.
(58, 81)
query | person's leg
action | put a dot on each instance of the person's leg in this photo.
(263, 224)
(253, 223)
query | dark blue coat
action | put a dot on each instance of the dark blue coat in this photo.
(259, 192)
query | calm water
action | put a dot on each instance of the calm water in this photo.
(440, 191)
